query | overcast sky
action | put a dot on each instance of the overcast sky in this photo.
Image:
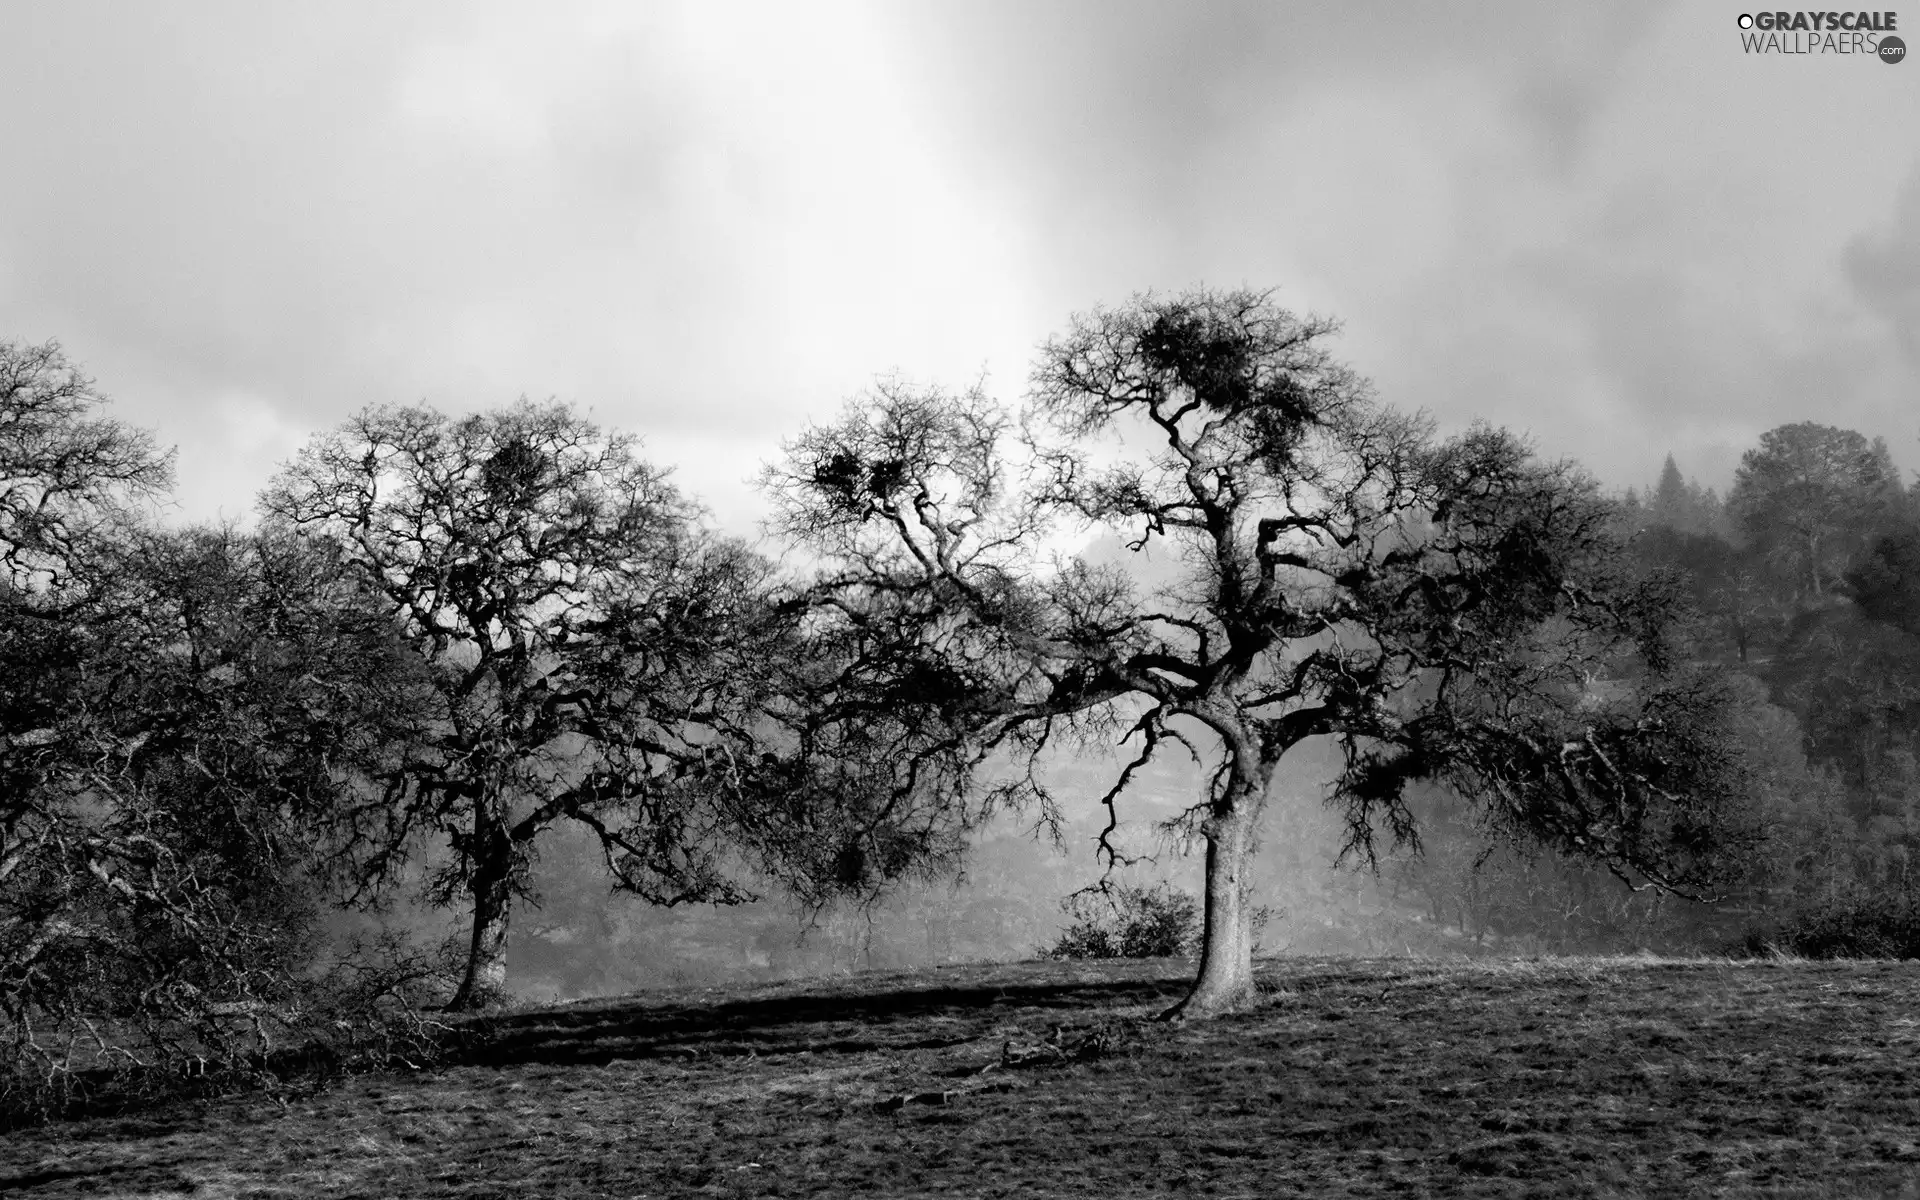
(1603, 224)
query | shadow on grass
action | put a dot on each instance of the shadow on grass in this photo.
(847, 1015)
(137, 1176)
(855, 1020)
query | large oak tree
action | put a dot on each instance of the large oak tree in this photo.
(1448, 608)
(594, 655)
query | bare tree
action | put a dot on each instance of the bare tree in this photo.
(65, 470)
(1449, 608)
(592, 651)
(178, 711)
(175, 748)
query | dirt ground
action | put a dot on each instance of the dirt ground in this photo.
(1555, 1077)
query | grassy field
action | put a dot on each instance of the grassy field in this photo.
(1558, 1077)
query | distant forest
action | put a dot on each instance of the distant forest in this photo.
(480, 707)
(1805, 584)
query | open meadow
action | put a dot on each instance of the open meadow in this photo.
(1563, 1077)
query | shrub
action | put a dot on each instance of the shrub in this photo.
(1856, 929)
(367, 1011)
(1133, 922)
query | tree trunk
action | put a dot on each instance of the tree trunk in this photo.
(486, 974)
(1226, 954)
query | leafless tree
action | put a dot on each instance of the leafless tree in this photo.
(1441, 607)
(594, 654)
(66, 470)
(178, 710)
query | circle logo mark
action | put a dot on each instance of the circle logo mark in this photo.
(1892, 49)
(1746, 20)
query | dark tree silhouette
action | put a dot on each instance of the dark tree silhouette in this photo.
(177, 747)
(594, 655)
(178, 712)
(67, 472)
(1886, 583)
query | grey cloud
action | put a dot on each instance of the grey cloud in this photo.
(1884, 269)
(712, 223)
(1110, 102)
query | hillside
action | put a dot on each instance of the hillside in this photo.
(1570, 1077)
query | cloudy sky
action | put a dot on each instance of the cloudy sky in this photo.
(1603, 224)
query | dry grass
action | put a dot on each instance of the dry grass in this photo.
(1576, 1077)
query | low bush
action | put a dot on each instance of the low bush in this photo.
(1865, 928)
(1128, 922)
(371, 1010)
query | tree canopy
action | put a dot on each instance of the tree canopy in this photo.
(593, 655)
(66, 469)
(1446, 607)
(177, 712)
(1811, 498)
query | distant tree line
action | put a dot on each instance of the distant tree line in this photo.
(447, 638)
(1805, 584)
(1808, 576)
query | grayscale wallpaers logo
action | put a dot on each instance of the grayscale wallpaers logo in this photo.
(1863, 33)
